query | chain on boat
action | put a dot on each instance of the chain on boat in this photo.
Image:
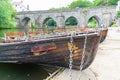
(83, 55)
(71, 57)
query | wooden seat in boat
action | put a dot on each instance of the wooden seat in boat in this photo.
(85, 29)
(33, 32)
(14, 36)
(59, 30)
(65, 30)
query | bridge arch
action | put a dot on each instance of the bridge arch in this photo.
(71, 21)
(27, 22)
(49, 21)
(96, 21)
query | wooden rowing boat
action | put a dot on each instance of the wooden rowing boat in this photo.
(52, 50)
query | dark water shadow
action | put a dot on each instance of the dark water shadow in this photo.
(24, 71)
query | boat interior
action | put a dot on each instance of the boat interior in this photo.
(37, 35)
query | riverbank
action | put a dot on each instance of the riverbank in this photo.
(107, 62)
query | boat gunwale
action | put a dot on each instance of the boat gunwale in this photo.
(80, 35)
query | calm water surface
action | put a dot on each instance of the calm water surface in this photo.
(23, 71)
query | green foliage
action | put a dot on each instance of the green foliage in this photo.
(92, 23)
(32, 25)
(50, 25)
(114, 25)
(7, 14)
(118, 14)
(87, 3)
(71, 21)
(113, 2)
(50, 22)
(100, 2)
(53, 8)
(80, 3)
(5, 31)
(61, 8)
(105, 2)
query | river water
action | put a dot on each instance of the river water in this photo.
(23, 71)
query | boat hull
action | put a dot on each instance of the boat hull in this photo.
(52, 51)
(104, 35)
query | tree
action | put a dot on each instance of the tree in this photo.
(105, 2)
(61, 8)
(118, 14)
(113, 2)
(71, 21)
(50, 22)
(92, 22)
(87, 3)
(80, 3)
(7, 14)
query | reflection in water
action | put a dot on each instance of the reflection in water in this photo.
(24, 72)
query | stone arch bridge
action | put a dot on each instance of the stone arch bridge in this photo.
(103, 15)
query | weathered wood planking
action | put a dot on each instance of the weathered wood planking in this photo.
(22, 52)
